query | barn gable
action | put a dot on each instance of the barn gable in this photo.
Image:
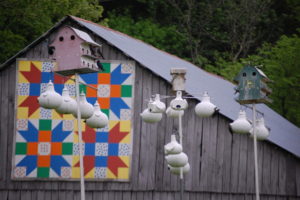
(220, 161)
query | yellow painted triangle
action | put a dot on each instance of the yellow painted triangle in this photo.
(109, 174)
(35, 115)
(38, 64)
(90, 174)
(126, 139)
(112, 124)
(22, 78)
(21, 99)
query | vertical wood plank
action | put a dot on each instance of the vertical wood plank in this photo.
(219, 155)
(235, 162)
(137, 123)
(205, 158)
(160, 163)
(4, 126)
(274, 170)
(282, 173)
(226, 169)
(242, 164)
(214, 163)
(250, 168)
(145, 133)
(266, 169)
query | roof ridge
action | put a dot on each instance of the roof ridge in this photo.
(126, 35)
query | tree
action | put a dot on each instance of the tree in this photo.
(22, 21)
(166, 38)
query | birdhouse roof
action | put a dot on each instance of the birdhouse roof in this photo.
(248, 68)
(82, 35)
(283, 133)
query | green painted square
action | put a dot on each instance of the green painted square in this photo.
(126, 90)
(106, 111)
(67, 148)
(82, 88)
(106, 67)
(21, 148)
(45, 125)
(43, 172)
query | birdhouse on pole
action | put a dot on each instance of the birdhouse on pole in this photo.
(178, 80)
(252, 86)
(75, 51)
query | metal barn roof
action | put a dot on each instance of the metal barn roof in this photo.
(283, 133)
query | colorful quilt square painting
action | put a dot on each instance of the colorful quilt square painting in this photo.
(46, 142)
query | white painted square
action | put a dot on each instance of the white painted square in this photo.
(20, 172)
(23, 89)
(22, 124)
(101, 149)
(44, 148)
(103, 90)
(100, 172)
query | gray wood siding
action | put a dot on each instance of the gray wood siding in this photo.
(221, 163)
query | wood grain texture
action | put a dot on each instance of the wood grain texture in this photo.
(221, 162)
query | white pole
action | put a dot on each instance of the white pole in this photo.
(180, 140)
(82, 188)
(255, 153)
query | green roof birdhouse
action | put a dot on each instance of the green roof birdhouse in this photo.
(252, 87)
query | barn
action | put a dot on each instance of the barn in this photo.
(44, 166)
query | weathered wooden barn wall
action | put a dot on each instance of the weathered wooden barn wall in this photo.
(221, 163)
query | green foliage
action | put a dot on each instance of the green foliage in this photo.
(22, 21)
(165, 38)
(280, 62)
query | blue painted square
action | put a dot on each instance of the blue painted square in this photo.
(59, 88)
(91, 78)
(46, 76)
(100, 161)
(102, 137)
(113, 149)
(89, 149)
(91, 100)
(34, 89)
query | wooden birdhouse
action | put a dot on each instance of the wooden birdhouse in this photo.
(252, 87)
(75, 51)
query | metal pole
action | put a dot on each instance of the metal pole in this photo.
(181, 169)
(255, 152)
(82, 188)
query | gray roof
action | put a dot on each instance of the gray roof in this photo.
(283, 133)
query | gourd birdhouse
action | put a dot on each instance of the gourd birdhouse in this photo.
(252, 87)
(75, 51)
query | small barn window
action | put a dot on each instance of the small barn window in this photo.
(244, 74)
(72, 37)
(253, 73)
(83, 62)
(61, 38)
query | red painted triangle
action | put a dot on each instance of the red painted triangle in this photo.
(89, 164)
(34, 75)
(32, 103)
(115, 135)
(114, 163)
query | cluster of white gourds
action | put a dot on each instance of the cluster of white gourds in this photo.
(175, 158)
(242, 126)
(153, 113)
(64, 104)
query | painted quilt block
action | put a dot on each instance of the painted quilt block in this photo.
(46, 143)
